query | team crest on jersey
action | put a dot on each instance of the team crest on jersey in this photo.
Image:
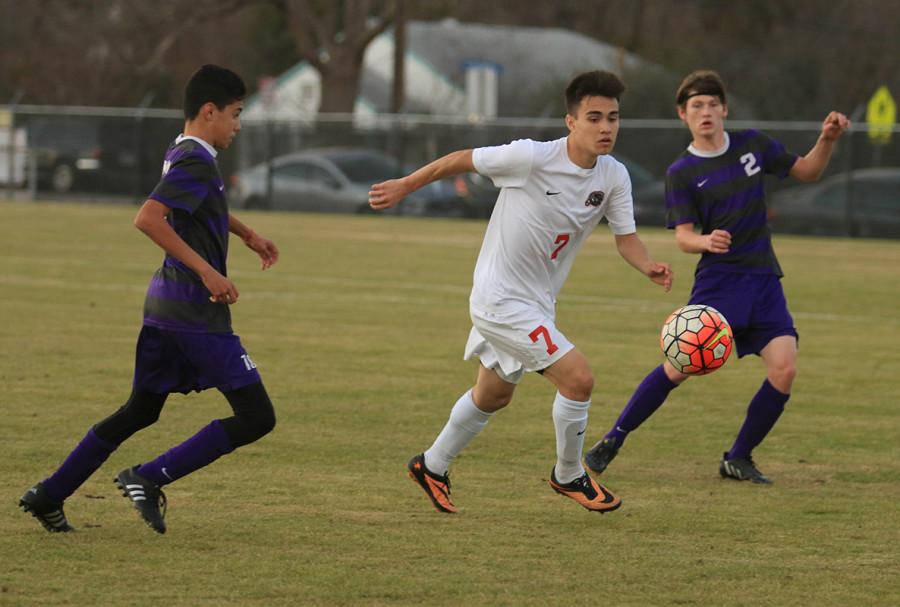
(595, 199)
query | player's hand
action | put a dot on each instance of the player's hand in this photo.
(263, 247)
(221, 289)
(718, 241)
(661, 274)
(388, 194)
(834, 126)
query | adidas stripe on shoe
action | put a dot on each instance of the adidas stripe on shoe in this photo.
(742, 469)
(48, 513)
(146, 496)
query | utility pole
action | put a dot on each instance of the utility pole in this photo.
(399, 84)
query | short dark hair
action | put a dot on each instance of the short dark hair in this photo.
(700, 82)
(597, 83)
(215, 84)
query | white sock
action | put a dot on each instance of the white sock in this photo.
(466, 421)
(570, 419)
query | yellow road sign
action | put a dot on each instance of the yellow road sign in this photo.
(880, 115)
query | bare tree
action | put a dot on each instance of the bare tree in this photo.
(103, 53)
(332, 35)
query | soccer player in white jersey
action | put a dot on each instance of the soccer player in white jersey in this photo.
(553, 194)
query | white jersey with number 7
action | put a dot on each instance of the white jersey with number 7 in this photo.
(546, 209)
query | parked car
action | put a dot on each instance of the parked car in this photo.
(864, 202)
(479, 194)
(337, 180)
(647, 193)
(97, 154)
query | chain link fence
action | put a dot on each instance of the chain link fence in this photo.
(115, 154)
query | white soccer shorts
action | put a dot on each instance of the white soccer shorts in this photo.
(514, 339)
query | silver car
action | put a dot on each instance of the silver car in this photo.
(334, 180)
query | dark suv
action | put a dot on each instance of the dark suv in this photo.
(115, 155)
(864, 202)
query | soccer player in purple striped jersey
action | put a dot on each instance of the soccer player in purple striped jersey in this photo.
(717, 186)
(186, 343)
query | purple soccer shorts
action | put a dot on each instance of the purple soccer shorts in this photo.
(173, 361)
(753, 304)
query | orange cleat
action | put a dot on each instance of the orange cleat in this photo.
(437, 487)
(587, 492)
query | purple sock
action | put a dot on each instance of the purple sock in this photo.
(764, 410)
(202, 449)
(647, 398)
(82, 462)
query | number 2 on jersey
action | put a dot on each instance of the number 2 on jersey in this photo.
(562, 240)
(750, 166)
(542, 331)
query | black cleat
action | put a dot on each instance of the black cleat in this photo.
(147, 497)
(601, 454)
(50, 514)
(436, 486)
(742, 469)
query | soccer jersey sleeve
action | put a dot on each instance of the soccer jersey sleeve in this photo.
(680, 207)
(185, 183)
(620, 212)
(776, 159)
(508, 165)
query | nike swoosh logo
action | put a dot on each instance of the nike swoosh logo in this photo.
(715, 341)
(580, 433)
(166, 473)
(549, 193)
(440, 494)
(700, 184)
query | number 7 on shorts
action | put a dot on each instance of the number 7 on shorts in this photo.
(541, 331)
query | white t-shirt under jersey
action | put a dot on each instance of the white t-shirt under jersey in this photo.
(542, 217)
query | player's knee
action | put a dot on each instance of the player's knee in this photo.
(791, 373)
(141, 410)
(782, 376)
(492, 396)
(247, 428)
(147, 418)
(254, 415)
(258, 426)
(491, 402)
(263, 423)
(501, 400)
(580, 386)
(674, 375)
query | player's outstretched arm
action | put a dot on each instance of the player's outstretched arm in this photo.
(632, 250)
(689, 241)
(811, 166)
(263, 247)
(389, 193)
(151, 220)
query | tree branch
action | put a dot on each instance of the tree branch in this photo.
(219, 10)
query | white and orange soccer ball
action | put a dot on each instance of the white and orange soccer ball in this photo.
(696, 339)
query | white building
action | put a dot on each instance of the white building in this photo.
(455, 69)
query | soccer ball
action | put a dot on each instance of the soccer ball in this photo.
(696, 339)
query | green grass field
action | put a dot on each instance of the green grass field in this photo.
(358, 333)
